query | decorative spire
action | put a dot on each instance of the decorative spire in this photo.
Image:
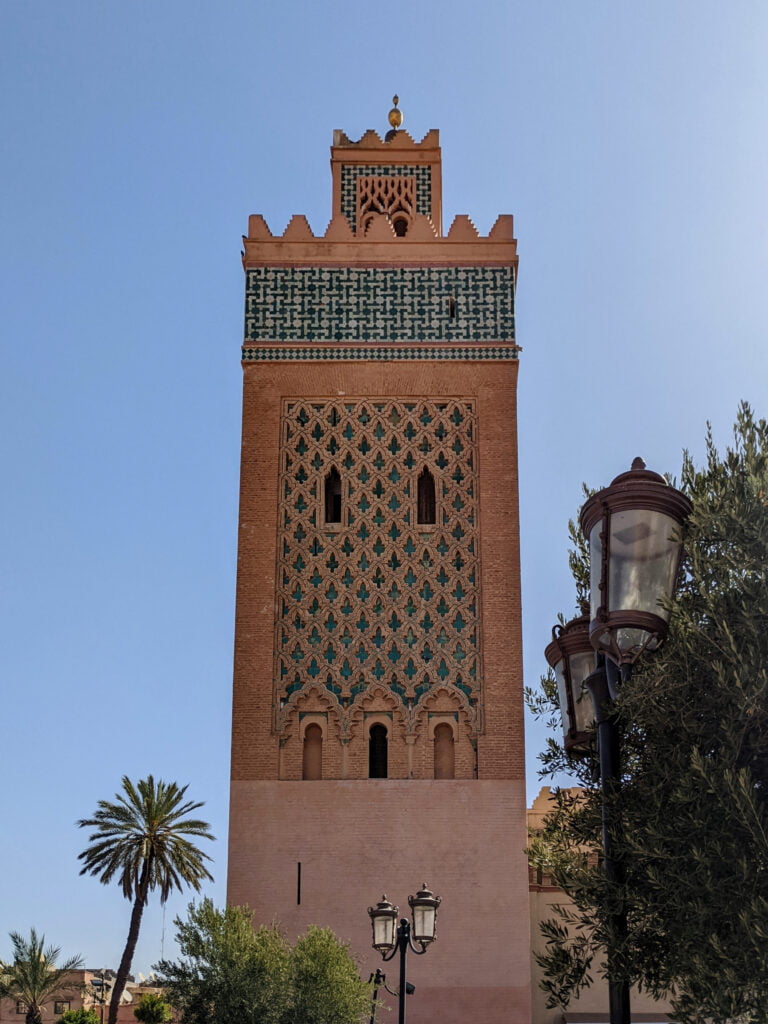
(395, 115)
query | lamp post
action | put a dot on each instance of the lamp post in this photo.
(634, 530)
(101, 988)
(390, 937)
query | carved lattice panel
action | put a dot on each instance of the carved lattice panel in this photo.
(387, 195)
(377, 597)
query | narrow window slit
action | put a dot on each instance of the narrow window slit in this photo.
(377, 752)
(333, 497)
(426, 510)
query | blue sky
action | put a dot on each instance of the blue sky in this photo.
(628, 139)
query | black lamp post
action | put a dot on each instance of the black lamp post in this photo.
(634, 530)
(389, 937)
(101, 988)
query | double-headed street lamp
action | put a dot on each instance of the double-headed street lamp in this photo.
(634, 532)
(389, 937)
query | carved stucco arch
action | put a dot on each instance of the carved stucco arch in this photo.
(362, 706)
(289, 714)
(449, 699)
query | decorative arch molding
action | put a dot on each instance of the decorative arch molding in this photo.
(318, 718)
(376, 705)
(439, 719)
(446, 699)
(314, 699)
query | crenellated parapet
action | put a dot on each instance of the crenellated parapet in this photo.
(399, 140)
(379, 243)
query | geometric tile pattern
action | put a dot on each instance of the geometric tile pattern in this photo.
(378, 597)
(351, 172)
(379, 304)
(379, 354)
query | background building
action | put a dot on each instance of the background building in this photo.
(377, 721)
(84, 989)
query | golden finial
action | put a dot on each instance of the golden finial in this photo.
(395, 115)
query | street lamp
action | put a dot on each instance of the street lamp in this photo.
(634, 530)
(101, 988)
(572, 658)
(389, 937)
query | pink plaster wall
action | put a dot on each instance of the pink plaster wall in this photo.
(464, 838)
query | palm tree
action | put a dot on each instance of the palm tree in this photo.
(33, 977)
(143, 839)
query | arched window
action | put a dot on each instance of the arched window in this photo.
(400, 224)
(377, 752)
(444, 754)
(425, 512)
(333, 497)
(312, 761)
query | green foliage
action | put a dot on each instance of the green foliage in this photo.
(79, 1016)
(143, 839)
(231, 971)
(228, 971)
(326, 988)
(33, 977)
(152, 1009)
(694, 802)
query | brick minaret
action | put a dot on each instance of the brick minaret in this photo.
(377, 737)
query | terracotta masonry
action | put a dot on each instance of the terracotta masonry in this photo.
(377, 736)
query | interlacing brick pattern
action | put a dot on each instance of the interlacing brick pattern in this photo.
(382, 304)
(377, 597)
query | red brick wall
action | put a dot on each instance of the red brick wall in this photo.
(255, 751)
(356, 838)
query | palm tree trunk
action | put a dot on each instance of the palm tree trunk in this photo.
(130, 945)
(34, 1015)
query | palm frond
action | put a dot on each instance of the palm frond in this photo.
(146, 826)
(34, 975)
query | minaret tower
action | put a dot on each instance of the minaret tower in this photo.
(377, 737)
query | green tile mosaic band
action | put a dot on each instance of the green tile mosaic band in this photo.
(351, 172)
(386, 304)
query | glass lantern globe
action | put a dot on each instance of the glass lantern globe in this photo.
(634, 529)
(384, 923)
(424, 909)
(572, 658)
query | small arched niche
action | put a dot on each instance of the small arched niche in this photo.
(312, 754)
(400, 225)
(445, 758)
